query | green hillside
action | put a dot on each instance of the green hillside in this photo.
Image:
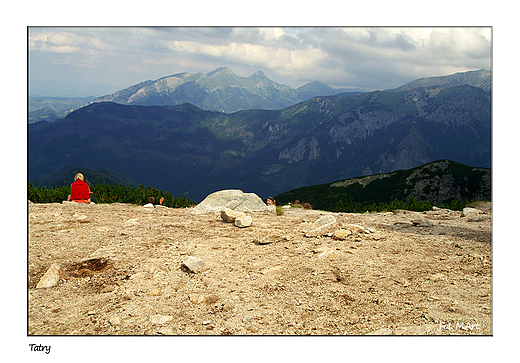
(440, 183)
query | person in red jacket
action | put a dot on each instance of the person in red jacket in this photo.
(79, 190)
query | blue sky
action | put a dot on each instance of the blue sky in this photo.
(358, 56)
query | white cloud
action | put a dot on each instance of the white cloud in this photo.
(375, 58)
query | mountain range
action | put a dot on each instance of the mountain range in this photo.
(193, 152)
(219, 90)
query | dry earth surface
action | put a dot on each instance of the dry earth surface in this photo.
(121, 273)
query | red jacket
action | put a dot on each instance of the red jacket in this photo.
(79, 190)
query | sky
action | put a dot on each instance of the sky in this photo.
(63, 58)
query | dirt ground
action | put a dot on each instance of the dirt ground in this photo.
(122, 273)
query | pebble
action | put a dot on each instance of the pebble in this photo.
(115, 320)
(195, 264)
(160, 319)
(230, 215)
(50, 278)
(243, 221)
(131, 222)
(322, 226)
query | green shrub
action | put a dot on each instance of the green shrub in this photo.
(108, 193)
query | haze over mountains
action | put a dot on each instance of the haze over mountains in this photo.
(192, 151)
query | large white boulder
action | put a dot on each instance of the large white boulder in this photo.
(232, 199)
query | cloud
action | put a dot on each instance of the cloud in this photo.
(374, 58)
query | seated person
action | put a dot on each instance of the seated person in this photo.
(79, 190)
(151, 202)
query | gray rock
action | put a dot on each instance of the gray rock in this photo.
(342, 234)
(160, 319)
(322, 226)
(243, 221)
(195, 264)
(230, 215)
(50, 278)
(480, 218)
(470, 212)
(233, 199)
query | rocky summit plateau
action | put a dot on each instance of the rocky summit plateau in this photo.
(121, 269)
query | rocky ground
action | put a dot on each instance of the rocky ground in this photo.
(121, 272)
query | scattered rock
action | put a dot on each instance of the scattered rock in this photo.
(355, 229)
(195, 264)
(155, 292)
(131, 222)
(421, 222)
(115, 321)
(233, 199)
(160, 319)
(323, 251)
(480, 218)
(230, 215)
(50, 278)
(243, 221)
(265, 240)
(349, 230)
(322, 226)
(228, 305)
(470, 212)
(270, 270)
(341, 234)
(80, 217)
(109, 288)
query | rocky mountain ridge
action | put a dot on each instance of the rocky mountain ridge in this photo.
(439, 183)
(219, 90)
(193, 152)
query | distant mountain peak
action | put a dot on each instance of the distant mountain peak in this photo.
(220, 70)
(259, 74)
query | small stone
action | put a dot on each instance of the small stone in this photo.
(109, 288)
(80, 217)
(50, 278)
(421, 222)
(470, 212)
(341, 234)
(228, 305)
(131, 222)
(265, 240)
(195, 264)
(166, 331)
(160, 319)
(323, 251)
(270, 270)
(115, 320)
(480, 218)
(155, 292)
(230, 215)
(243, 221)
(197, 299)
(355, 229)
(322, 226)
